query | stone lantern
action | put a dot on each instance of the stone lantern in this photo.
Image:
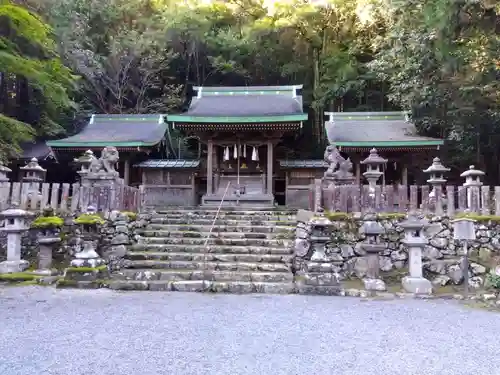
(3, 173)
(373, 172)
(473, 183)
(15, 224)
(465, 231)
(85, 249)
(436, 179)
(48, 237)
(33, 172)
(415, 240)
(321, 230)
(373, 246)
(84, 161)
(32, 175)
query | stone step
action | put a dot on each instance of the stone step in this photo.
(217, 241)
(204, 286)
(222, 228)
(209, 275)
(210, 222)
(209, 257)
(201, 265)
(262, 218)
(231, 235)
(213, 249)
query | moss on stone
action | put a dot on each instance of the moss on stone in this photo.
(47, 222)
(391, 216)
(477, 217)
(19, 276)
(86, 269)
(89, 219)
(338, 216)
(131, 215)
(344, 216)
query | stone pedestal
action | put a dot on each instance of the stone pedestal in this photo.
(415, 241)
(416, 283)
(372, 281)
(15, 224)
(46, 247)
(372, 246)
(95, 184)
(87, 270)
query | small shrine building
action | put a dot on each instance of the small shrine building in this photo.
(134, 136)
(241, 127)
(392, 134)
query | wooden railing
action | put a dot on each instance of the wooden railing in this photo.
(483, 200)
(68, 197)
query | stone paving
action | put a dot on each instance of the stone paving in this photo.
(78, 332)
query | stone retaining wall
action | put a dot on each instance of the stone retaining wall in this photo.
(118, 231)
(441, 257)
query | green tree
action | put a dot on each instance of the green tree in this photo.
(35, 86)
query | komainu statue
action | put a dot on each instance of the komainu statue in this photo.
(333, 158)
(106, 164)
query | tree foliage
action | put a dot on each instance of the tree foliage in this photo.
(35, 85)
(438, 58)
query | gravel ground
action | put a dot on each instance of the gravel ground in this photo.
(71, 332)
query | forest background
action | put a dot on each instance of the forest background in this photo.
(62, 60)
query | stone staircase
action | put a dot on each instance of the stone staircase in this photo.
(247, 252)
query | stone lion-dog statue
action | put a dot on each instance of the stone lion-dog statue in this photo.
(106, 164)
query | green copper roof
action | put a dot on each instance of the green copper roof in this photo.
(374, 129)
(118, 131)
(235, 119)
(245, 104)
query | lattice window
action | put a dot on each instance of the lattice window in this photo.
(180, 178)
(153, 177)
(300, 181)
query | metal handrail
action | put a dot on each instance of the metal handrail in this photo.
(205, 246)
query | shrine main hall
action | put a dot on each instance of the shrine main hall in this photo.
(237, 134)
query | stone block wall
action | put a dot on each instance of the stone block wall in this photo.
(345, 256)
(119, 231)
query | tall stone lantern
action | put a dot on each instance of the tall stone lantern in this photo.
(436, 179)
(84, 162)
(473, 183)
(33, 172)
(373, 172)
(373, 245)
(15, 224)
(415, 240)
(32, 175)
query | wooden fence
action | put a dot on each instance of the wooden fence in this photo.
(484, 200)
(68, 197)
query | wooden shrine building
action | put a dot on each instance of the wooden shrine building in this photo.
(134, 136)
(392, 134)
(241, 127)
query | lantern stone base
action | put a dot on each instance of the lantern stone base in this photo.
(84, 277)
(12, 266)
(417, 285)
(319, 283)
(374, 284)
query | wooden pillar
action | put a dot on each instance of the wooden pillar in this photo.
(269, 167)
(126, 172)
(358, 171)
(215, 164)
(404, 174)
(210, 168)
